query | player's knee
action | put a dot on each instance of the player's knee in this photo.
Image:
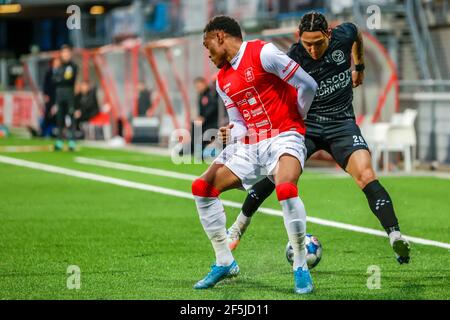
(201, 188)
(286, 191)
(364, 177)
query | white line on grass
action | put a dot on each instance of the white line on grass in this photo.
(186, 195)
(167, 173)
(132, 168)
(176, 175)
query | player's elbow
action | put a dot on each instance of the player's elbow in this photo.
(309, 85)
(313, 85)
(310, 90)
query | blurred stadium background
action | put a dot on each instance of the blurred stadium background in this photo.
(120, 209)
(157, 44)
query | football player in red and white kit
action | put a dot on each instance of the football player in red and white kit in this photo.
(267, 95)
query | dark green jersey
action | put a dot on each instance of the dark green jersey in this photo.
(332, 72)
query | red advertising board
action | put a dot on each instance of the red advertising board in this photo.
(22, 110)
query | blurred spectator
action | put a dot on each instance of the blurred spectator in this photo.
(208, 110)
(144, 99)
(49, 91)
(64, 78)
(86, 106)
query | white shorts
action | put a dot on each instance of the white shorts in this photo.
(253, 162)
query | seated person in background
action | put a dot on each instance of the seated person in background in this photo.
(86, 104)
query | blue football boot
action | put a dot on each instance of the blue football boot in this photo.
(303, 281)
(217, 274)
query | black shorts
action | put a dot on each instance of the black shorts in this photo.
(340, 139)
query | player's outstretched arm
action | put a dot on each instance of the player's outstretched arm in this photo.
(277, 62)
(306, 90)
(236, 129)
(358, 59)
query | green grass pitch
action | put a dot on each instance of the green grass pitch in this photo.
(135, 244)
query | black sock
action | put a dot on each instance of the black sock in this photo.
(381, 205)
(256, 196)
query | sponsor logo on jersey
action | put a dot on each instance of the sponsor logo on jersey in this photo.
(246, 115)
(262, 123)
(242, 103)
(315, 70)
(256, 112)
(287, 67)
(334, 83)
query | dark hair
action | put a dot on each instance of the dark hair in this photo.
(226, 24)
(66, 46)
(313, 21)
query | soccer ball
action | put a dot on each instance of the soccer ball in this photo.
(313, 251)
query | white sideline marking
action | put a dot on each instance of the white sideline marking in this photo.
(167, 173)
(133, 168)
(186, 195)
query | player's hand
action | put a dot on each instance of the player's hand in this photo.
(225, 133)
(357, 78)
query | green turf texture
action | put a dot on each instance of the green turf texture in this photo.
(132, 244)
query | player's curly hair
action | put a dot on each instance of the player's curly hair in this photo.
(313, 21)
(226, 24)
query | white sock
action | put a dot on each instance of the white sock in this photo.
(213, 219)
(294, 215)
(220, 245)
(243, 222)
(394, 235)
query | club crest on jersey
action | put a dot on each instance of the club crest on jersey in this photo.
(249, 76)
(338, 56)
(251, 100)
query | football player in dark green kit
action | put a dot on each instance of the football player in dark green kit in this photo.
(64, 79)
